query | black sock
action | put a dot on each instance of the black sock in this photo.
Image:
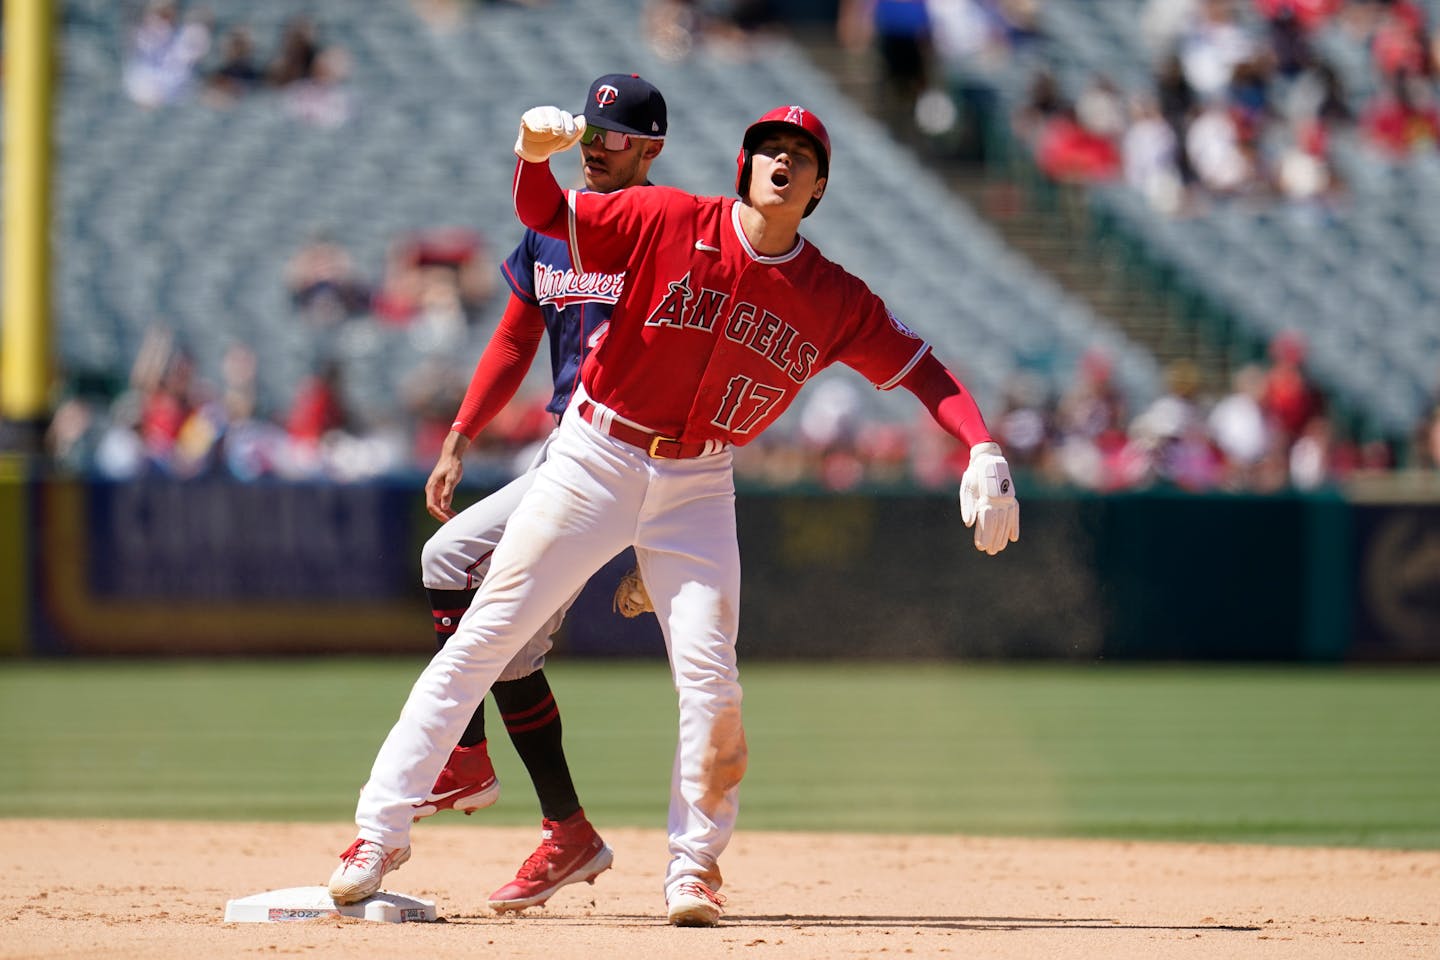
(533, 721)
(447, 607)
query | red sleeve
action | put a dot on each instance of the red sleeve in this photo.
(948, 401)
(539, 201)
(607, 228)
(502, 366)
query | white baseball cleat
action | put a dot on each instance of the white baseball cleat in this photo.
(362, 866)
(693, 904)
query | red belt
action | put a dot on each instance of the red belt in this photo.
(658, 446)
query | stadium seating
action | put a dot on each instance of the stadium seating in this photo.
(186, 214)
(1356, 276)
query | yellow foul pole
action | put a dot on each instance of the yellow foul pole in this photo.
(25, 356)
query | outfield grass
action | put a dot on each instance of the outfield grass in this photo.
(1284, 755)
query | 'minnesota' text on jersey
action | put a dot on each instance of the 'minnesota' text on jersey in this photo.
(574, 304)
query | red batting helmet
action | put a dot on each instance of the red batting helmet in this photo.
(792, 116)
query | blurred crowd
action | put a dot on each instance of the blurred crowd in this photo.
(1220, 81)
(169, 419)
(677, 29)
(173, 55)
(926, 55)
(436, 282)
(1242, 101)
(1271, 429)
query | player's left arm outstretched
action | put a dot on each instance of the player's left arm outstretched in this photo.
(987, 491)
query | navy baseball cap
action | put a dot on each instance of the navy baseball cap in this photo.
(626, 103)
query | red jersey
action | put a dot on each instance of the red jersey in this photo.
(709, 339)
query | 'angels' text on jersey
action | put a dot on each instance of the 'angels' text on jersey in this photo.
(746, 324)
(711, 339)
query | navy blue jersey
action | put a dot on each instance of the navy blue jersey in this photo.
(575, 305)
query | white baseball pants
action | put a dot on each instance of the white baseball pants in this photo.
(591, 498)
(448, 559)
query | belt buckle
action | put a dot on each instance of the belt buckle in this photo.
(655, 441)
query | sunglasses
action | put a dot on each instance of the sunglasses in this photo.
(609, 139)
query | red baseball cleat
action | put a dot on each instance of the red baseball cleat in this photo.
(570, 851)
(467, 783)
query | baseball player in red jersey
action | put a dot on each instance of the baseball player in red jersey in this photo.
(727, 312)
(626, 120)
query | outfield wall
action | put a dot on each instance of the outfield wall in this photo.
(162, 568)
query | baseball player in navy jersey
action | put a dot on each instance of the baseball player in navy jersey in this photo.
(626, 121)
(727, 311)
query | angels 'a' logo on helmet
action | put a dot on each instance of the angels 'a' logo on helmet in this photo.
(795, 115)
(899, 325)
(607, 95)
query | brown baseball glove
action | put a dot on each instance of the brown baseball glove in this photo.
(631, 598)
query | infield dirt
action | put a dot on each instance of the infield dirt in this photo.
(157, 890)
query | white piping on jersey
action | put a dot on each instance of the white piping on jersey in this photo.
(791, 254)
(895, 380)
(604, 416)
(574, 247)
(515, 188)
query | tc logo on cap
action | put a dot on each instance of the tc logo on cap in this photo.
(606, 95)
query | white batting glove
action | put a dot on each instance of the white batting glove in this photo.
(546, 130)
(987, 499)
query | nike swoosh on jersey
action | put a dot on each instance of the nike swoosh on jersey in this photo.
(702, 245)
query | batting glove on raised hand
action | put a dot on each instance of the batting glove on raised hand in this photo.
(546, 130)
(987, 499)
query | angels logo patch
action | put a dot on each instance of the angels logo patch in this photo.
(899, 325)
